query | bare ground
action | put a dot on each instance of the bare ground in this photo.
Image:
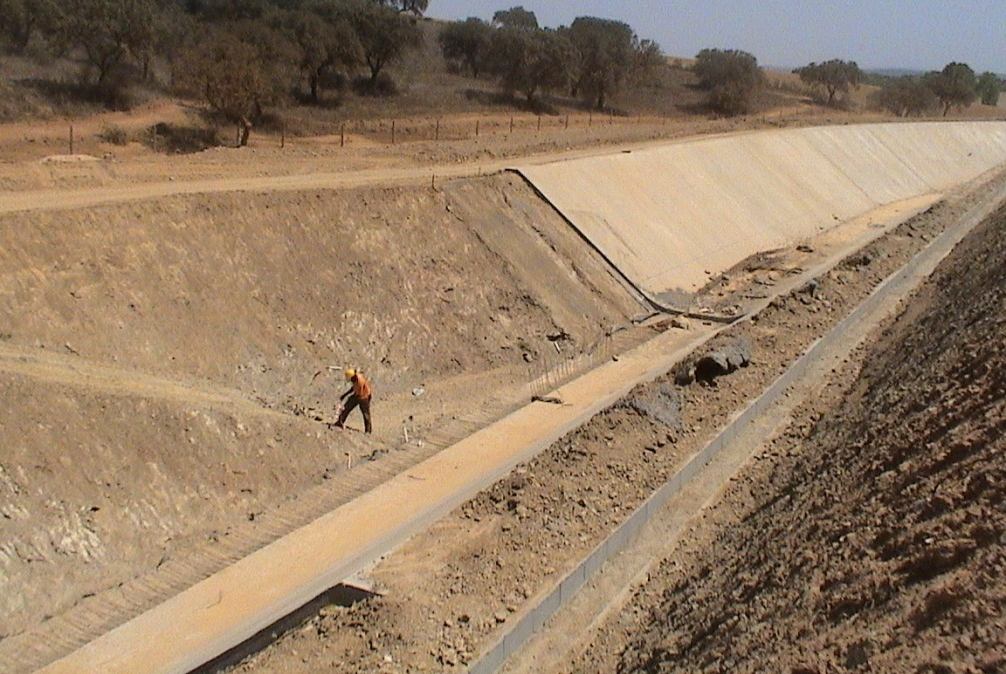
(158, 361)
(871, 535)
(449, 590)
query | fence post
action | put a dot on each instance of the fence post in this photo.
(392, 132)
(477, 127)
(71, 139)
(511, 125)
(437, 134)
(539, 122)
(342, 136)
(590, 119)
(282, 136)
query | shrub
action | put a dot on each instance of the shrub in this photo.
(381, 87)
(114, 134)
(989, 86)
(732, 78)
(164, 137)
(906, 96)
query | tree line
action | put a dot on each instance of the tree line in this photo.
(592, 58)
(955, 86)
(242, 57)
(239, 56)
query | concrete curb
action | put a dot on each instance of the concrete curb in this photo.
(903, 282)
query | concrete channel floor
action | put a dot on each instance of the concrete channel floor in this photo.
(234, 604)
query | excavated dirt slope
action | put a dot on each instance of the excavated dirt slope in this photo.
(450, 590)
(873, 535)
(255, 291)
(157, 360)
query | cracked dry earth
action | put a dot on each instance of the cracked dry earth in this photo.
(448, 591)
(872, 535)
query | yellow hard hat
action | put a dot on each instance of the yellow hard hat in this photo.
(350, 373)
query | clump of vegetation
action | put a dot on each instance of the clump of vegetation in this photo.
(325, 41)
(592, 58)
(954, 86)
(384, 36)
(23, 20)
(234, 76)
(906, 96)
(529, 61)
(415, 7)
(989, 88)
(831, 77)
(732, 78)
(238, 56)
(171, 138)
(465, 45)
(608, 55)
(516, 18)
(114, 134)
(243, 59)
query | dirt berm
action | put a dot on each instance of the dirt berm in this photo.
(872, 535)
(158, 359)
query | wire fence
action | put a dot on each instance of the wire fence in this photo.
(393, 131)
(389, 131)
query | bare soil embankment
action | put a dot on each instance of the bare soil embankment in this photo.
(871, 537)
(158, 359)
(450, 590)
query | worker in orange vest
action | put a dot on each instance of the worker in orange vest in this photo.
(358, 395)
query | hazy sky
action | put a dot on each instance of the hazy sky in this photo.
(918, 34)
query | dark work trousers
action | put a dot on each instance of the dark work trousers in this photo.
(351, 405)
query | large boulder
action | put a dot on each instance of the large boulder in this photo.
(716, 362)
(659, 402)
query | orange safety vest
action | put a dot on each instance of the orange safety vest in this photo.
(361, 387)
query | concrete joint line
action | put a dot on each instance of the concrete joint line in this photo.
(901, 282)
